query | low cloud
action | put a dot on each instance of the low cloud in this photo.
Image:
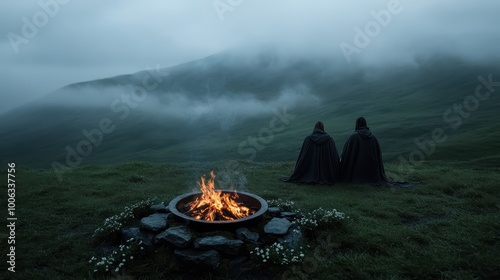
(227, 105)
(225, 109)
(88, 40)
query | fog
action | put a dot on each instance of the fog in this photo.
(223, 110)
(85, 40)
(181, 107)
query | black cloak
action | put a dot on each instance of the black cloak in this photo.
(318, 161)
(361, 160)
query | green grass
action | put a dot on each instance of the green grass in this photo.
(446, 227)
(400, 104)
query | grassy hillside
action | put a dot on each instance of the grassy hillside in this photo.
(400, 104)
(445, 227)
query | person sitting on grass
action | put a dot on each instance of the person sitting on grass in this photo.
(318, 161)
(361, 160)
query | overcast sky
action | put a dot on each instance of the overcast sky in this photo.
(75, 41)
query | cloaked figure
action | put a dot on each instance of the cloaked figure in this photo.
(361, 160)
(318, 161)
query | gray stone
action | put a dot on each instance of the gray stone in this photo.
(293, 238)
(179, 236)
(219, 243)
(155, 222)
(274, 210)
(137, 234)
(209, 258)
(277, 226)
(159, 208)
(247, 235)
(288, 214)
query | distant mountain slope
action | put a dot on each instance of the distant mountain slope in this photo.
(256, 107)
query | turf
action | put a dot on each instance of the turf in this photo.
(446, 226)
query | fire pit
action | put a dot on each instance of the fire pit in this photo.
(212, 209)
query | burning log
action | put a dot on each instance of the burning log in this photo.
(256, 207)
(213, 205)
(204, 212)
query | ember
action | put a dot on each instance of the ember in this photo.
(216, 205)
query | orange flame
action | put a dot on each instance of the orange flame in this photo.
(213, 205)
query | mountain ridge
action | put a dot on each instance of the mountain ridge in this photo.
(206, 109)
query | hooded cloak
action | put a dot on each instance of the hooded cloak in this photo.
(318, 161)
(361, 160)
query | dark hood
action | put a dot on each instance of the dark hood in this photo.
(319, 136)
(364, 132)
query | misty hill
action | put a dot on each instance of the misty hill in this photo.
(258, 107)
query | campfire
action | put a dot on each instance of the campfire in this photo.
(216, 205)
(220, 208)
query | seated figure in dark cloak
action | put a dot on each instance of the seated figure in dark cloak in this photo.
(318, 161)
(361, 160)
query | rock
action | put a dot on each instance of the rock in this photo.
(209, 258)
(159, 208)
(274, 211)
(155, 222)
(288, 214)
(179, 236)
(219, 243)
(137, 234)
(247, 235)
(277, 226)
(293, 238)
